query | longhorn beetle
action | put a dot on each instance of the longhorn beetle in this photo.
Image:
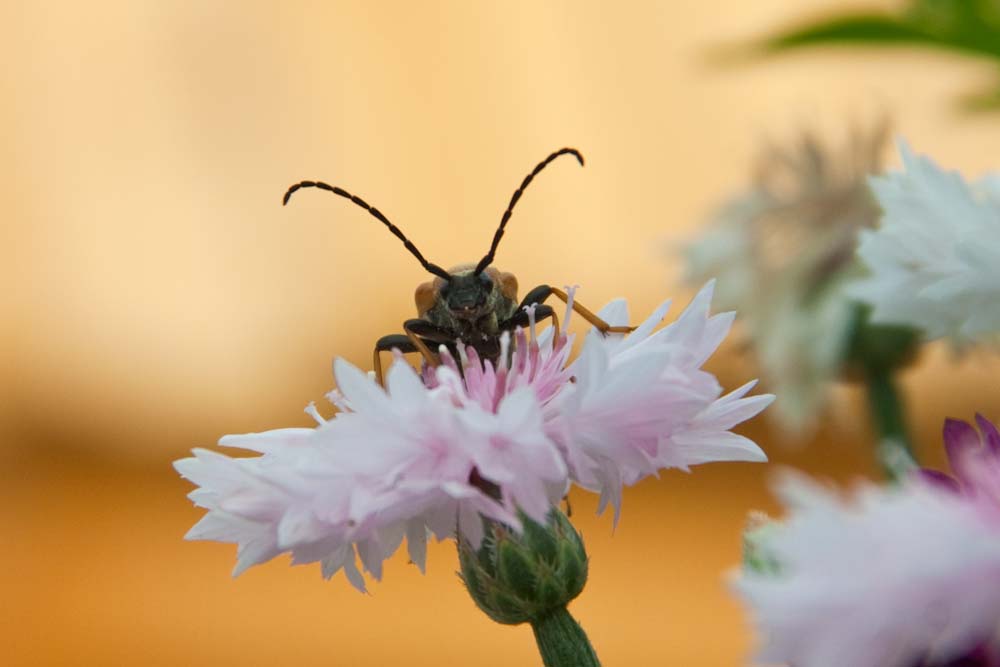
(471, 304)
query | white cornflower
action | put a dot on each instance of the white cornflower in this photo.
(934, 261)
(435, 454)
(783, 251)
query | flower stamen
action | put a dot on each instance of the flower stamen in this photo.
(314, 413)
(338, 400)
(448, 360)
(531, 319)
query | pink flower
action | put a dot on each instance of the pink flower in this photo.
(641, 403)
(892, 577)
(434, 454)
(975, 462)
(401, 462)
(631, 405)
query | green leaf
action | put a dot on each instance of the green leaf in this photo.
(970, 27)
(946, 27)
(862, 28)
(985, 101)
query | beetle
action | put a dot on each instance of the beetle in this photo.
(470, 304)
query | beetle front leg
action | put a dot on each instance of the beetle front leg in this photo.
(521, 319)
(543, 292)
(420, 332)
(399, 342)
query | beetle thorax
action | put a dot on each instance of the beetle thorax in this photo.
(469, 304)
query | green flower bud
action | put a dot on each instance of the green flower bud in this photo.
(523, 578)
(757, 556)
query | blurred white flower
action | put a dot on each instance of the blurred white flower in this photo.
(783, 251)
(469, 440)
(893, 577)
(934, 261)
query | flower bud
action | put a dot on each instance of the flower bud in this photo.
(757, 555)
(520, 578)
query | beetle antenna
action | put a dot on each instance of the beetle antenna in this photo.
(429, 266)
(488, 259)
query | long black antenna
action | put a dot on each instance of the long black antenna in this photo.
(488, 259)
(433, 268)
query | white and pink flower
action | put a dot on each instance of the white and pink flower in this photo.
(901, 576)
(437, 452)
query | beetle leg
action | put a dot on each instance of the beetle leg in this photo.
(521, 319)
(537, 295)
(420, 332)
(429, 332)
(401, 342)
(543, 292)
(555, 323)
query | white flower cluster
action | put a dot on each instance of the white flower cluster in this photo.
(908, 575)
(934, 260)
(782, 252)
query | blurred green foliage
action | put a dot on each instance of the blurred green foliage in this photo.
(971, 27)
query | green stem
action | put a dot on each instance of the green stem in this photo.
(894, 450)
(562, 642)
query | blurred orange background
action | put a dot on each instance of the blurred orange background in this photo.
(157, 296)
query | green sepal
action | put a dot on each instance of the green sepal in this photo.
(515, 568)
(542, 540)
(574, 569)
